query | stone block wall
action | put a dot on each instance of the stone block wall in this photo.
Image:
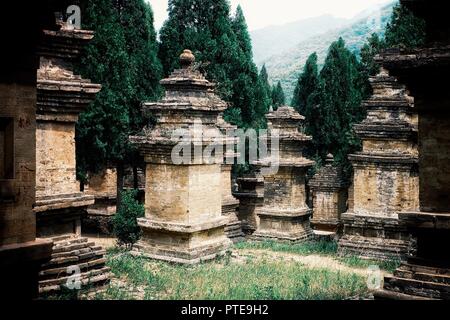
(176, 193)
(17, 195)
(385, 192)
(56, 166)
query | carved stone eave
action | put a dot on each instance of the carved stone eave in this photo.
(49, 203)
(394, 160)
(404, 59)
(64, 44)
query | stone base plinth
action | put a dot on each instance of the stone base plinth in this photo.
(426, 274)
(98, 222)
(331, 225)
(381, 238)
(100, 215)
(320, 235)
(233, 229)
(287, 225)
(182, 243)
(61, 214)
(71, 253)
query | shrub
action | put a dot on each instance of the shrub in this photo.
(125, 224)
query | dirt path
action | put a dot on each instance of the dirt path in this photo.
(311, 261)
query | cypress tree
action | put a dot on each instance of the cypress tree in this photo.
(102, 130)
(404, 29)
(264, 79)
(223, 49)
(307, 83)
(122, 57)
(278, 97)
(249, 94)
(341, 97)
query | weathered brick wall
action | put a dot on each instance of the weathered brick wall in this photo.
(177, 193)
(55, 156)
(226, 181)
(381, 193)
(17, 221)
(328, 205)
(285, 189)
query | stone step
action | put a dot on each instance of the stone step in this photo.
(72, 247)
(82, 266)
(423, 274)
(426, 269)
(70, 259)
(93, 278)
(417, 287)
(392, 295)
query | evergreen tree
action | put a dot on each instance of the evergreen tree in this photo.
(136, 18)
(249, 94)
(223, 48)
(404, 30)
(370, 49)
(307, 83)
(102, 130)
(278, 97)
(340, 100)
(123, 58)
(264, 78)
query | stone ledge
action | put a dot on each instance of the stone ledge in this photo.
(175, 254)
(282, 237)
(62, 202)
(283, 213)
(393, 295)
(182, 227)
(426, 220)
(38, 250)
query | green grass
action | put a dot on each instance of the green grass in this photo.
(305, 248)
(327, 248)
(354, 261)
(247, 278)
(222, 280)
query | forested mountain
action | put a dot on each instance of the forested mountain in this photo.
(285, 67)
(273, 40)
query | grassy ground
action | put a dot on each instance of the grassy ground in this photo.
(326, 248)
(276, 273)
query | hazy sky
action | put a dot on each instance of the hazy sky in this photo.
(263, 13)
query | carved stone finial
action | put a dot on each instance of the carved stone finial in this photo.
(187, 58)
(330, 159)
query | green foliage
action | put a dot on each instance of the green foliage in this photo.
(305, 248)
(278, 98)
(307, 83)
(340, 100)
(371, 48)
(404, 30)
(125, 224)
(222, 46)
(122, 57)
(331, 102)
